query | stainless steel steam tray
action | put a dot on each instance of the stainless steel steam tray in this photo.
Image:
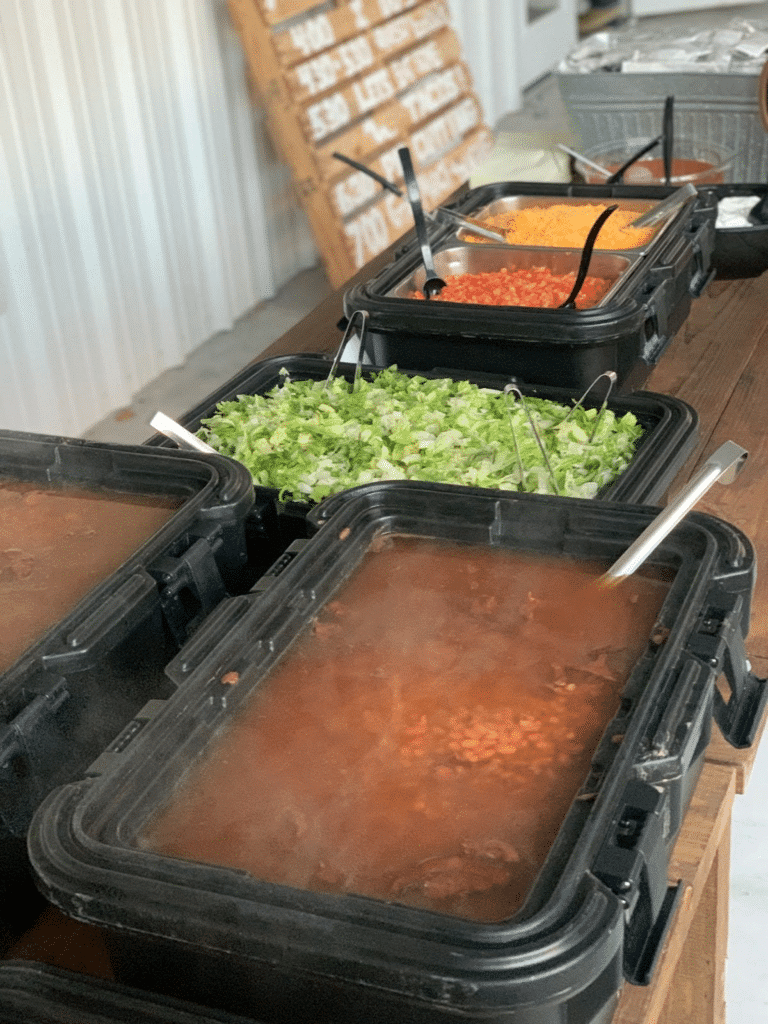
(453, 260)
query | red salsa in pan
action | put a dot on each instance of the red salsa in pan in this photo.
(534, 286)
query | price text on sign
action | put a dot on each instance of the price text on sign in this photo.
(362, 77)
(412, 108)
(393, 123)
(321, 31)
(337, 110)
(337, 65)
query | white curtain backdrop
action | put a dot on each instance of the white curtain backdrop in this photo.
(142, 209)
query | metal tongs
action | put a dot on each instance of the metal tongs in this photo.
(666, 207)
(611, 377)
(724, 465)
(346, 337)
(512, 389)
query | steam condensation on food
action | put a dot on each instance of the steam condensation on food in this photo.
(422, 741)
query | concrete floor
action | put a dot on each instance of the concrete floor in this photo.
(541, 117)
(212, 364)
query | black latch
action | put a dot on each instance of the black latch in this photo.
(191, 587)
(719, 642)
(632, 862)
(34, 749)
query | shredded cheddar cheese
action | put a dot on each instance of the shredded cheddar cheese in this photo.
(567, 227)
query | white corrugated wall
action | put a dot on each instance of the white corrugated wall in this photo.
(509, 44)
(142, 209)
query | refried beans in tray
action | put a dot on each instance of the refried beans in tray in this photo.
(422, 741)
(57, 544)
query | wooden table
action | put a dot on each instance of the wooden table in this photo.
(718, 363)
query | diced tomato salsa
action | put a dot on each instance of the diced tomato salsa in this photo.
(534, 286)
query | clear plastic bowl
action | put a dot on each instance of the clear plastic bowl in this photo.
(700, 163)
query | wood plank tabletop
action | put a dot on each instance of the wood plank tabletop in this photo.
(681, 993)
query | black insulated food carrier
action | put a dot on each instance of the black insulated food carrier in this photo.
(595, 914)
(670, 432)
(627, 332)
(32, 993)
(741, 251)
(78, 684)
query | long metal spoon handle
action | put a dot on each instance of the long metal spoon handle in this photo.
(723, 465)
(469, 224)
(183, 437)
(585, 160)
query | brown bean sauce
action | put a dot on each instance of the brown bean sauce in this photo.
(423, 741)
(56, 545)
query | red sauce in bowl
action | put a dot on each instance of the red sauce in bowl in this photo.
(651, 172)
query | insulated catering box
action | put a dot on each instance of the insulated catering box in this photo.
(627, 332)
(112, 557)
(319, 946)
(741, 251)
(670, 429)
(33, 993)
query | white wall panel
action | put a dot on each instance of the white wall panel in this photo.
(508, 46)
(142, 209)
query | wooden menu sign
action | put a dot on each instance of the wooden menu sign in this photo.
(362, 78)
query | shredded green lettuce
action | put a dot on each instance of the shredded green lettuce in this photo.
(309, 440)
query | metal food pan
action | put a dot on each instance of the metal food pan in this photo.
(470, 259)
(513, 203)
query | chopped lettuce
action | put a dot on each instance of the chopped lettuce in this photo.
(308, 440)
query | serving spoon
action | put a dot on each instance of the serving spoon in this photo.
(564, 617)
(723, 466)
(666, 207)
(586, 256)
(433, 284)
(617, 175)
(184, 438)
(611, 178)
(602, 171)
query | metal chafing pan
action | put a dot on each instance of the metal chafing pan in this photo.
(510, 204)
(471, 259)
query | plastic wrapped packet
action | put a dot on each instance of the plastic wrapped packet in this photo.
(734, 49)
